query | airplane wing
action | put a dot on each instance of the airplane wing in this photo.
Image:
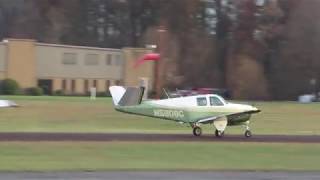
(211, 119)
(208, 119)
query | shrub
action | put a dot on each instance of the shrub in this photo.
(58, 93)
(9, 87)
(103, 94)
(34, 91)
(151, 94)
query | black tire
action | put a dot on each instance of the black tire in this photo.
(247, 133)
(197, 131)
(219, 134)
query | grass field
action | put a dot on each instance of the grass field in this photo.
(80, 114)
(85, 156)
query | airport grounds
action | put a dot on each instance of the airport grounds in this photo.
(50, 114)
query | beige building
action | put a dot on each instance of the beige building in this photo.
(71, 69)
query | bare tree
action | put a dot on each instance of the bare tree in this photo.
(298, 62)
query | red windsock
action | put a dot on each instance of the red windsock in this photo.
(147, 57)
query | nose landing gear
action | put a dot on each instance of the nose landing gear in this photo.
(247, 133)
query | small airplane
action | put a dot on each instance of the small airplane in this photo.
(194, 110)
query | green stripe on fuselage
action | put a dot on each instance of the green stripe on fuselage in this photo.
(187, 115)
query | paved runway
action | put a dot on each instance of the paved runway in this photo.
(173, 175)
(154, 137)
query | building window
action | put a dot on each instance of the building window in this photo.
(91, 59)
(73, 85)
(137, 54)
(46, 85)
(64, 85)
(69, 58)
(118, 60)
(86, 85)
(118, 82)
(95, 83)
(107, 84)
(109, 59)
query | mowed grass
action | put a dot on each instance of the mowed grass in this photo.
(80, 114)
(91, 156)
(71, 114)
(287, 118)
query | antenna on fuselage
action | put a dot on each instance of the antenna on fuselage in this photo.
(177, 90)
(164, 90)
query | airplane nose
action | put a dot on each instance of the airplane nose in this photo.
(255, 109)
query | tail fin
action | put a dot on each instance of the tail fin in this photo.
(126, 97)
(117, 92)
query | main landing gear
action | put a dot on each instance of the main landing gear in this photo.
(197, 131)
(219, 133)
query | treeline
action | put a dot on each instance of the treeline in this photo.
(258, 49)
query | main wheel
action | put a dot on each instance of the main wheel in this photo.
(219, 133)
(247, 133)
(197, 131)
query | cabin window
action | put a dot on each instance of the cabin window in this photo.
(214, 101)
(202, 101)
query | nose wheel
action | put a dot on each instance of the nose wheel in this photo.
(247, 133)
(197, 131)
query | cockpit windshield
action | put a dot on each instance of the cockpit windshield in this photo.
(215, 101)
